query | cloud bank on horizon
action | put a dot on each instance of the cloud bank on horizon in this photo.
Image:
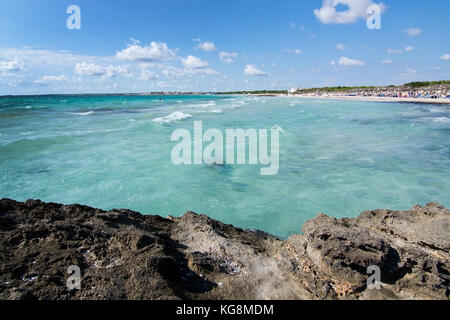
(260, 52)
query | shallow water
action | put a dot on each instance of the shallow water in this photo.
(336, 157)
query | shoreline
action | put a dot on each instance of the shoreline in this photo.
(124, 255)
(373, 99)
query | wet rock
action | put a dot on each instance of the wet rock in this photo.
(125, 255)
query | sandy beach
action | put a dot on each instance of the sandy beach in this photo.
(376, 99)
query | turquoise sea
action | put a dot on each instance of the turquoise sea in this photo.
(336, 157)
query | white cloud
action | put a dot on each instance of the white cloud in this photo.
(228, 57)
(413, 32)
(252, 70)
(11, 65)
(45, 58)
(341, 47)
(192, 62)
(344, 61)
(177, 73)
(394, 51)
(47, 79)
(91, 69)
(120, 70)
(293, 25)
(386, 61)
(208, 72)
(294, 51)
(207, 46)
(155, 51)
(148, 75)
(134, 41)
(333, 63)
(446, 57)
(357, 9)
(409, 74)
(400, 51)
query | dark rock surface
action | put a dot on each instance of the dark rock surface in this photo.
(126, 255)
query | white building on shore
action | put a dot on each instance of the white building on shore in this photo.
(294, 90)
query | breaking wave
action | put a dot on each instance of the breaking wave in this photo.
(176, 116)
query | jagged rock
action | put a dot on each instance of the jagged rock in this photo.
(125, 255)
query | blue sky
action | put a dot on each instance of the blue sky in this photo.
(139, 46)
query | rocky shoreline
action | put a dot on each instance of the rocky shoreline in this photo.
(125, 255)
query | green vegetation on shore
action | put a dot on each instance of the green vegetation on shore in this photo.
(410, 85)
(419, 84)
(336, 89)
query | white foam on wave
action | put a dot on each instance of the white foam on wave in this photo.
(28, 107)
(436, 110)
(82, 113)
(176, 116)
(277, 127)
(216, 111)
(238, 104)
(442, 119)
(203, 105)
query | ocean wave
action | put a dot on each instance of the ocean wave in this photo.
(277, 127)
(203, 105)
(238, 104)
(82, 113)
(216, 111)
(442, 119)
(33, 145)
(176, 116)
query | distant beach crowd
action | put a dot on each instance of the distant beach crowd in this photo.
(432, 92)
